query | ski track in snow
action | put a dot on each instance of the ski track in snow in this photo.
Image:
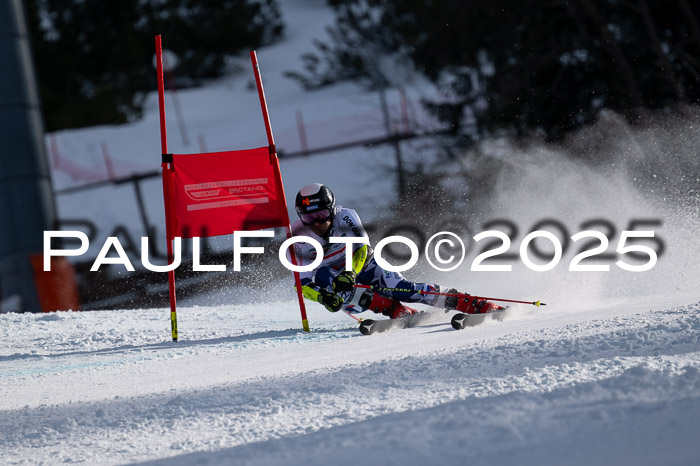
(107, 389)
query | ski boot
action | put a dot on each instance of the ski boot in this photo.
(472, 311)
(369, 300)
(383, 305)
(468, 304)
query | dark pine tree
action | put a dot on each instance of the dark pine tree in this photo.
(94, 58)
(522, 66)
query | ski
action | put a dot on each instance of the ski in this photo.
(470, 312)
(461, 320)
(370, 326)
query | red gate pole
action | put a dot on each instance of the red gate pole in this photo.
(275, 161)
(167, 186)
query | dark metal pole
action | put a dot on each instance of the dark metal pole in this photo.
(141, 205)
(26, 197)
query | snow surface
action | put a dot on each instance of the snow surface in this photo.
(607, 373)
(613, 385)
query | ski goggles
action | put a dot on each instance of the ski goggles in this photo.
(309, 218)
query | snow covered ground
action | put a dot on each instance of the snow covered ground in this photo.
(607, 373)
(608, 385)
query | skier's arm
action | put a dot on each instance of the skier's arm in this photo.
(308, 287)
(352, 226)
(345, 281)
(310, 290)
(330, 300)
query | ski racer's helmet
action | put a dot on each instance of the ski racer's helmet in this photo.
(315, 203)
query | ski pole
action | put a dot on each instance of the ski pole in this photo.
(356, 318)
(537, 303)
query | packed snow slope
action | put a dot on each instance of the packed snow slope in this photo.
(617, 384)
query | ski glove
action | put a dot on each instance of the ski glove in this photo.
(332, 301)
(345, 281)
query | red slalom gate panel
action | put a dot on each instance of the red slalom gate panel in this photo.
(222, 192)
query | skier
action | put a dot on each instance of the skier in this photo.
(329, 284)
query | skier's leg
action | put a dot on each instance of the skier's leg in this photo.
(398, 288)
